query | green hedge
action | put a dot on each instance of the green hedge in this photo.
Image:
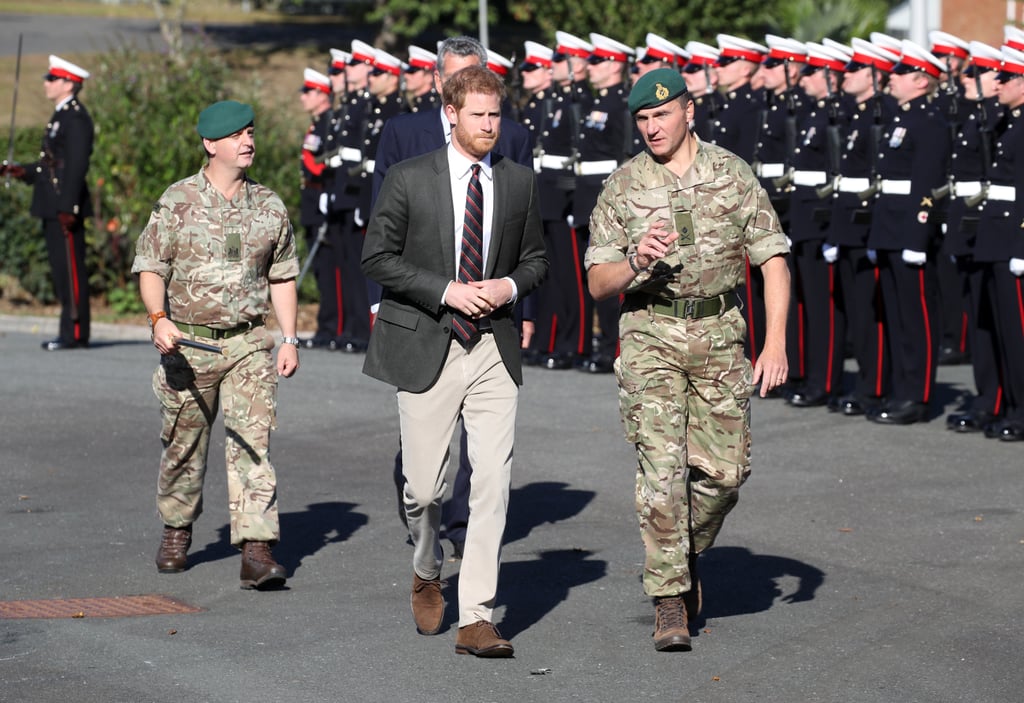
(145, 106)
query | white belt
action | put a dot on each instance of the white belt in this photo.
(966, 189)
(854, 185)
(890, 187)
(594, 168)
(809, 178)
(551, 161)
(1002, 193)
(771, 170)
(352, 154)
(368, 165)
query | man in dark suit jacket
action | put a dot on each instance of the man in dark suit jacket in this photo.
(446, 337)
(414, 134)
(60, 197)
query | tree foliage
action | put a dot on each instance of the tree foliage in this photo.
(407, 19)
(144, 105)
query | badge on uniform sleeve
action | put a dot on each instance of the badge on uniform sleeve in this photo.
(897, 137)
(312, 142)
(922, 217)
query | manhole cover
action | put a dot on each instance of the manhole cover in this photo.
(117, 607)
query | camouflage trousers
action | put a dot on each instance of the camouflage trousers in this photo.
(191, 386)
(684, 395)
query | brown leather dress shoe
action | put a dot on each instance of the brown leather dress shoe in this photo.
(174, 544)
(482, 639)
(259, 570)
(671, 632)
(427, 605)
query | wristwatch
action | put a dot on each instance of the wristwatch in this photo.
(154, 316)
(291, 340)
(632, 263)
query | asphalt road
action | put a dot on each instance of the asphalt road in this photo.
(863, 563)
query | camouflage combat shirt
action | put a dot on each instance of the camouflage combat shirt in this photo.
(217, 256)
(730, 212)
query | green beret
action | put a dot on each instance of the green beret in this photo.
(655, 88)
(224, 118)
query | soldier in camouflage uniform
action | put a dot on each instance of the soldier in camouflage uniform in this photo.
(670, 231)
(217, 247)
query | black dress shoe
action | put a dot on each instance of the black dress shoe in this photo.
(1012, 432)
(847, 405)
(556, 362)
(952, 356)
(59, 344)
(328, 343)
(807, 398)
(598, 364)
(901, 413)
(350, 346)
(969, 421)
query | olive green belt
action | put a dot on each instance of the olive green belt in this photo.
(685, 308)
(215, 333)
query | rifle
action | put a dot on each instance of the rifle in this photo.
(321, 237)
(949, 188)
(14, 110)
(577, 119)
(984, 135)
(709, 91)
(783, 181)
(875, 141)
(833, 143)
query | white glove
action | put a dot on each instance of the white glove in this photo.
(830, 252)
(872, 256)
(914, 258)
(323, 203)
(1017, 267)
(334, 161)
(359, 218)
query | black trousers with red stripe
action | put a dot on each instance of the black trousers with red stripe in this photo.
(1008, 297)
(910, 295)
(819, 297)
(70, 278)
(561, 301)
(862, 300)
(983, 336)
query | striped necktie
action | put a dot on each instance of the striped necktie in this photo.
(471, 260)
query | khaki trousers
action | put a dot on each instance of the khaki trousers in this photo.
(476, 385)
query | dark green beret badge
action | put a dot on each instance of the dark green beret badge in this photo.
(224, 118)
(655, 88)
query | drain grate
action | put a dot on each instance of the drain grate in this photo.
(117, 607)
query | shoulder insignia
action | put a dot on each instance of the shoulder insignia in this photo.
(922, 217)
(927, 202)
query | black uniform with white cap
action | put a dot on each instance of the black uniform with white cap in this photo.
(736, 121)
(850, 222)
(701, 82)
(952, 52)
(1000, 244)
(547, 114)
(60, 197)
(973, 148)
(606, 140)
(911, 163)
(819, 312)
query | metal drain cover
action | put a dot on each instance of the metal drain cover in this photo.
(116, 607)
